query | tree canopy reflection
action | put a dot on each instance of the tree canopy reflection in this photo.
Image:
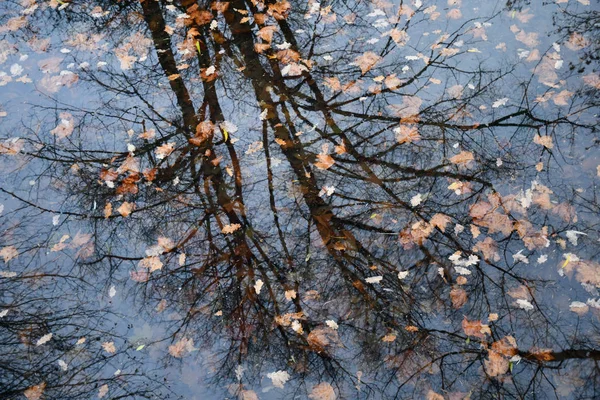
(324, 200)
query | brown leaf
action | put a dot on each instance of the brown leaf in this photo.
(431, 395)
(8, 253)
(592, 80)
(248, 395)
(108, 210)
(164, 150)
(153, 263)
(545, 141)
(102, 391)
(463, 158)
(280, 9)
(148, 135)
(561, 99)
(507, 346)
(65, 126)
(266, 33)
(290, 294)
(454, 14)
(541, 354)
(407, 134)
(488, 248)
(519, 292)
(321, 337)
(332, 83)
(475, 328)
(11, 146)
(201, 17)
(325, 161)
(496, 222)
(35, 392)
(496, 364)
(577, 42)
(181, 348)
(399, 36)
(125, 209)
(322, 391)
(390, 337)
(459, 297)
(367, 61)
(440, 221)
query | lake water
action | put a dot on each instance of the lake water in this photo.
(299, 200)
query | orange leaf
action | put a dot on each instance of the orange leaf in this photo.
(367, 61)
(475, 328)
(325, 161)
(464, 157)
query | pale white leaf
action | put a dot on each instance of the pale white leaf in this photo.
(279, 378)
(44, 339)
(524, 304)
(258, 286)
(374, 279)
(500, 102)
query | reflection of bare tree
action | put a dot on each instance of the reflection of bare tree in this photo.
(402, 194)
(54, 339)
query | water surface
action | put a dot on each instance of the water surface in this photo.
(292, 200)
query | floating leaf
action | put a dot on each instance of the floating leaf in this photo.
(322, 391)
(279, 378)
(44, 339)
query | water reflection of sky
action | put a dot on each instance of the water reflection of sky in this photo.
(274, 200)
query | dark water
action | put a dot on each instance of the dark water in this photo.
(278, 200)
